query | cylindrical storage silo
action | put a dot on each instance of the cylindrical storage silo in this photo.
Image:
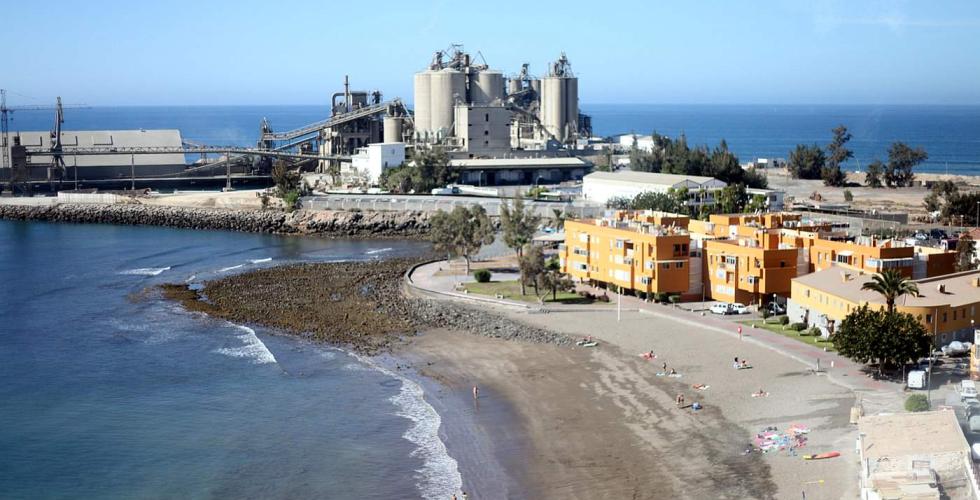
(447, 85)
(571, 106)
(486, 87)
(393, 129)
(514, 86)
(553, 104)
(423, 100)
(536, 86)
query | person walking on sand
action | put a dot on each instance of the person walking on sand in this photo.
(665, 367)
(680, 399)
(476, 392)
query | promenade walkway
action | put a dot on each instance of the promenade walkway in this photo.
(876, 395)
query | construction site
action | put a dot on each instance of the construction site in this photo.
(496, 129)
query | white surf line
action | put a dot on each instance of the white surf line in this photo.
(145, 271)
(259, 261)
(252, 347)
(225, 269)
(377, 250)
(439, 476)
(188, 280)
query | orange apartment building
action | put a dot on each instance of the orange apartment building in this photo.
(646, 252)
(743, 258)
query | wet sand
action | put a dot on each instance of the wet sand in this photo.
(599, 423)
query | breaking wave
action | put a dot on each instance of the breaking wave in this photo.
(252, 347)
(259, 261)
(145, 271)
(226, 269)
(439, 476)
(377, 250)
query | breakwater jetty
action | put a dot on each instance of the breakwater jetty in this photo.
(409, 224)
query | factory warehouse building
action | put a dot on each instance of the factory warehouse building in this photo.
(600, 187)
(520, 171)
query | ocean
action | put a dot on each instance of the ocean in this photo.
(110, 392)
(950, 134)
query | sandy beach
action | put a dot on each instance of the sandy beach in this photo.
(601, 424)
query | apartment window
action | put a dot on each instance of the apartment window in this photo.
(782, 263)
(677, 248)
(752, 280)
(944, 317)
(807, 293)
(731, 260)
(649, 264)
(619, 243)
(680, 265)
(644, 280)
(928, 318)
(758, 264)
(954, 314)
(843, 259)
(684, 247)
(665, 265)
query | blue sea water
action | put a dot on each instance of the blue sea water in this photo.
(109, 394)
(950, 134)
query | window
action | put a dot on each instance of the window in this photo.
(954, 314)
(677, 248)
(680, 265)
(758, 264)
(752, 280)
(649, 264)
(486, 117)
(928, 318)
(731, 260)
(807, 293)
(684, 247)
(944, 317)
(644, 280)
(665, 265)
(782, 263)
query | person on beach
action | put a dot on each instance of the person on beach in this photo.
(735, 364)
(665, 367)
(679, 400)
(745, 364)
(761, 393)
(672, 372)
(476, 392)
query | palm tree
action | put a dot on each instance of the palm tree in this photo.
(891, 285)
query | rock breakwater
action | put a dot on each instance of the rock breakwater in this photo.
(359, 305)
(407, 224)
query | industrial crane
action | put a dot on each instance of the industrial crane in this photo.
(5, 111)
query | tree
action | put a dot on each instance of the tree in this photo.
(901, 160)
(837, 154)
(531, 263)
(287, 184)
(962, 206)
(874, 174)
(965, 253)
(461, 232)
(756, 204)
(891, 285)
(429, 169)
(732, 199)
(518, 225)
(806, 162)
(663, 202)
(604, 163)
(558, 219)
(619, 203)
(942, 191)
(553, 279)
(848, 195)
(881, 337)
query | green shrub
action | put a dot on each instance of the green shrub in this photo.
(848, 196)
(662, 297)
(917, 402)
(797, 326)
(765, 313)
(481, 275)
(291, 199)
(674, 298)
(814, 331)
(784, 320)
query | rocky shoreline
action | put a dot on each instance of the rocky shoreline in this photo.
(358, 305)
(324, 223)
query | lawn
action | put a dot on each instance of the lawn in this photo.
(813, 340)
(511, 290)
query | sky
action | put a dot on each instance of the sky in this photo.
(680, 52)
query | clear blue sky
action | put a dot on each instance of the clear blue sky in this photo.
(701, 51)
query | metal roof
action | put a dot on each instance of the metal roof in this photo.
(655, 178)
(520, 163)
(109, 139)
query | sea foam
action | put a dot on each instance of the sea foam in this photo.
(252, 347)
(226, 269)
(259, 261)
(439, 476)
(377, 250)
(145, 271)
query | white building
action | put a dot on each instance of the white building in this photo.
(599, 187)
(774, 199)
(368, 163)
(643, 142)
(483, 129)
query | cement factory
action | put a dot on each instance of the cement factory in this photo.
(518, 129)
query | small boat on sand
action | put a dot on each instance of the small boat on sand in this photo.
(821, 456)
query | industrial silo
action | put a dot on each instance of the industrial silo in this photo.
(513, 85)
(486, 87)
(536, 86)
(446, 86)
(571, 107)
(423, 112)
(393, 129)
(553, 106)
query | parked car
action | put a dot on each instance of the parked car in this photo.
(739, 308)
(721, 308)
(968, 390)
(775, 309)
(917, 379)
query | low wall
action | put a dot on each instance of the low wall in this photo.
(98, 198)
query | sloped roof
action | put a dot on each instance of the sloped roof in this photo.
(654, 178)
(110, 138)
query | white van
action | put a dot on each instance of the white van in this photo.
(968, 390)
(721, 308)
(917, 379)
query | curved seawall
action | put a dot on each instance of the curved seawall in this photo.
(327, 222)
